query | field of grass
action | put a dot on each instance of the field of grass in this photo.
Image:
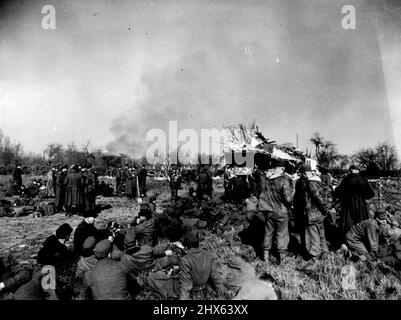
(374, 280)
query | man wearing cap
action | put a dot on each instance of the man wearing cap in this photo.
(274, 202)
(50, 191)
(87, 229)
(60, 189)
(89, 189)
(12, 276)
(142, 174)
(74, 195)
(139, 256)
(352, 193)
(54, 250)
(310, 210)
(198, 267)
(106, 280)
(175, 184)
(145, 226)
(363, 238)
(17, 179)
(88, 259)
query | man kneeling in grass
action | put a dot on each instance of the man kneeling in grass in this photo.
(362, 241)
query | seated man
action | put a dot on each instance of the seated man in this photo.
(106, 280)
(32, 190)
(198, 267)
(87, 229)
(88, 260)
(34, 290)
(54, 250)
(363, 238)
(242, 282)
(144, 224)
(140, 256)
(12, 276)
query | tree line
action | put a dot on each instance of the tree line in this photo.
(381, 160)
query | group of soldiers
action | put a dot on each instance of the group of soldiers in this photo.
(108, 262)
(278, 207)
(130, 181)
(307, 208)
(75, 189)
(199, 182)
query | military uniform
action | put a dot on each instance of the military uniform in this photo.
(275, 198)
(363, 238)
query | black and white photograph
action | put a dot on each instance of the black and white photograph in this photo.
(207, 150)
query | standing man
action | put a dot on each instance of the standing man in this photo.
(60, 189)
(175, 184)
(311, 209)
(89, 189)
(352, 193)
(118, 176)
(142, 174)
(17, 179)
(274, 202)
(74, 196)
(50, 183)
(128, 179)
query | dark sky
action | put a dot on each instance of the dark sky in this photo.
(114, 69)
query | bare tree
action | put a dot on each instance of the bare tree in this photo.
(325, 150)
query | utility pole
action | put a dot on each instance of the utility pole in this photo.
(297, 140)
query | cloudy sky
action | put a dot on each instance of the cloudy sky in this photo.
(114, 69)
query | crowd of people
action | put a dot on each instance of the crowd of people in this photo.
(301, 213)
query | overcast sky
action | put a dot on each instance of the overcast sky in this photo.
(114, 69)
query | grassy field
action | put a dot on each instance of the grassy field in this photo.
(23, 237)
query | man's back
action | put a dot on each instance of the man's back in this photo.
(352, 185)
(197, 265)
(276, 194)
(83, 231)
(108, 281)
(361, 229)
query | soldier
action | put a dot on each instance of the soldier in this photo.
(89, 189)
(12, 276)
(311, 210)
(17, 179)
(142, 174)
(129, 180)
(175, 184)
(353, 192)
(74, 195)
(61, 189)
(205, 184)
(198, 266)
(228, 183)
(274, 202)
(118, 175)
(363, 238)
